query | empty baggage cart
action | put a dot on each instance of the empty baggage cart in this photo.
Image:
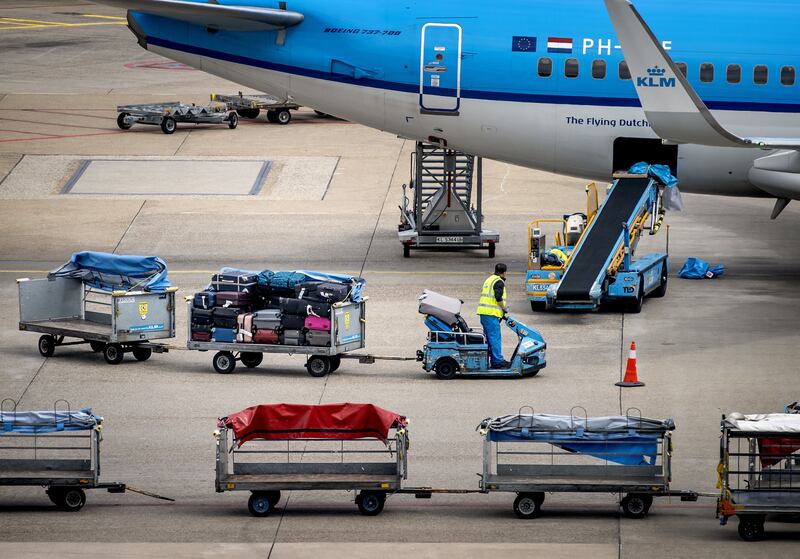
(267, 449)
(250, 106)
(168, 115)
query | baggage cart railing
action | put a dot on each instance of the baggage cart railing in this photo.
(460, 338)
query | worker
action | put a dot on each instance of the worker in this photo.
(492, 308)
(554, 257)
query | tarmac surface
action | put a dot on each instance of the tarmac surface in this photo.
(707, 348)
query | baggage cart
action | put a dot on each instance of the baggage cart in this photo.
(168, 115)
(266, 466)
(58, 450)
(348, 331)
(533, 454)
(759, 470)
(250, 106)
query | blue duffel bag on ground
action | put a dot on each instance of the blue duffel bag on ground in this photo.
(699, 269)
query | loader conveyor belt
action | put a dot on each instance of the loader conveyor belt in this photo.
(602, 238)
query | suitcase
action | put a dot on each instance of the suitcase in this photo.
(267, 319)
(266, 337)
(446, 309)
(202, 316)
(317, 338)
(293, 322)
(226, 318)
(244, 332)
(293, 337)
(239, 299)
(234, 282)
(324, 291)
(204, 300)
(285, 280)
(293, 306)
(318, 323)
(223, 335)
(201, 336)
(318, 309)
(201, 327)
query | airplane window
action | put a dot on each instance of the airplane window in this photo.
(571, 67)
(545, 67)
(787, 75)
(734, 73)
(682, 67)
(760, 74)
(706, 73)
(624, 72)
(599, 69)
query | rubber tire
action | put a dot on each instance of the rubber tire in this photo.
(272, 116)
(121, 121)
(233, 121)
(168, 125)
(446, 368)
(47, 345)
(492, 249)
(751, 529)
(142, 353)
(538, 306)
(318, 366)
(259, 504)
(635, 505)
(54, 494)
(370, 503)
(406, 251)
(283, 117)
(274, 497)
(113, 354)
(251, 359)
(526, 507)
(224, 362)
(635, 306)
(248, 113)
(71, 499)
(97, 347)
(335, 363)
(661, 290)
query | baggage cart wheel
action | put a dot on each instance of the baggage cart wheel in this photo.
(121, 121)
(70, 499)
(636, 506)
(248, 113)
(259, 504)
(635, 306)
(491, 250)
(538, 306)
(97, 347)
(446, 368)
(142, 353)
(47, 345)
(168, 125)
(113, 354)
(233, 121)
(751, 528)
(335, 363)
(370, 503)
(406, 251)
(661, 290)
(272, 116)
(527, 505)
(251, 359)
(283, 116)
(224, 362)
(318, 366)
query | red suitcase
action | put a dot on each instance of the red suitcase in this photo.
(266, 337)
(201, 336)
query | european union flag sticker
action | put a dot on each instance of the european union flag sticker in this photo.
(523, 44)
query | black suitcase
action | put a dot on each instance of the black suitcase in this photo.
(324, 291)
(293, 337)
(318, 309)
(204, 300)
(226, 317)
(203, 316)
(201, 327)
(293, 306)
(236, 282)
(292, 322)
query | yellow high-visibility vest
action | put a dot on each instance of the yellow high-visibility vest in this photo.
(488, 304)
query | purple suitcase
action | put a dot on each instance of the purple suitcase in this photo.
(233, 299)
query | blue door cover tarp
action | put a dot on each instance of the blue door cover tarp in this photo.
(110, 272)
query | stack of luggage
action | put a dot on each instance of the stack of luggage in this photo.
(287, 308)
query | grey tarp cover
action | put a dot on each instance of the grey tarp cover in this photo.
(764, 423)
(48, 421)
(545, 423)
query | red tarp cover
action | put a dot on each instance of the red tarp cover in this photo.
(773, 450)
(297, 421)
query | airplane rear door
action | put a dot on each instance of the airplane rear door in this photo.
(440, 68)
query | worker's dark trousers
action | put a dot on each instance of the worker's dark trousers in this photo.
(491, 327)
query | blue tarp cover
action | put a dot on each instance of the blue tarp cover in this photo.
(659, 172)
(110, 272)
(694, 268)
(34, 422)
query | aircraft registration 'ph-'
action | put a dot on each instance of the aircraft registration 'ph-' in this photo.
(578, 87)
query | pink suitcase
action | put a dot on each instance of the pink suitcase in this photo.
(244, 334)
(318, 323)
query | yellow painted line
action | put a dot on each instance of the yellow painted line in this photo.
(387, 272)
(38, 24)
(104, 17)
(18, 20)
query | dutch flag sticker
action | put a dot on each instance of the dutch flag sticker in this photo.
(559, 44)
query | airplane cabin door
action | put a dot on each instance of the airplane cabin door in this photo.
(440, 68)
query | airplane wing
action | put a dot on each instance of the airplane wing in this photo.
(213, 15)
(675, 112)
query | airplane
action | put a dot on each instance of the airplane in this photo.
(575, 87)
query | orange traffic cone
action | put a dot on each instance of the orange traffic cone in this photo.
(631, 379)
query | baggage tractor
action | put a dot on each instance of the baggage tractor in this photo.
(267, 319)
(292, 337)
(226, 317)
(234, 282)
(224, 335)
(324, 291)
(266, 337)
(292, 322)
(202, 316)
(239, 299)
(318, 323)
(244, 332)
(318, 338)
(205, 300)
(293, 306)
(198, 336)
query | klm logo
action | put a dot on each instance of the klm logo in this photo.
(655, 78)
